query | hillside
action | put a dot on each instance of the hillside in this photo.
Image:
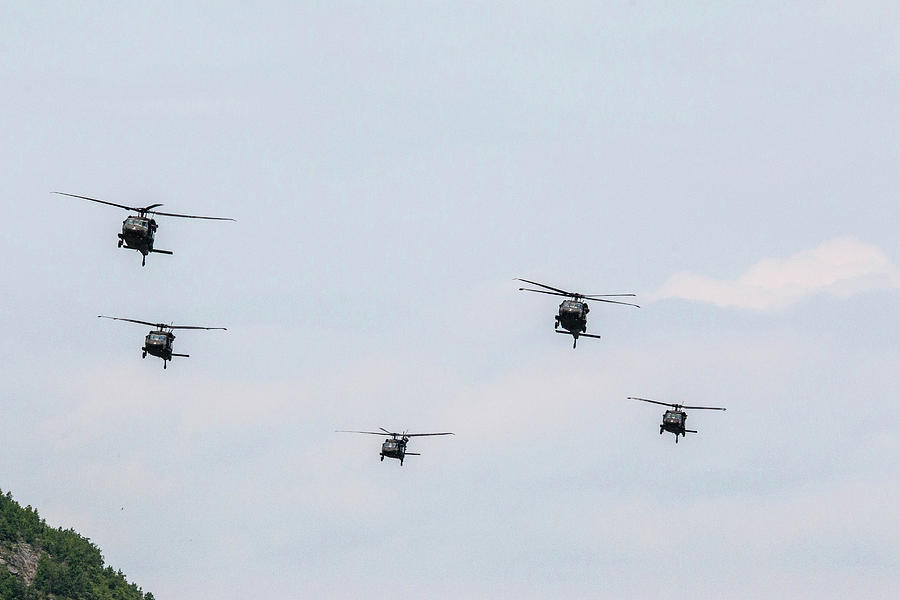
(38, 562)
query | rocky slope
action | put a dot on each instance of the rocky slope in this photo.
(38, 562)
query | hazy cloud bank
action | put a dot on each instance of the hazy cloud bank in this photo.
(840, 267)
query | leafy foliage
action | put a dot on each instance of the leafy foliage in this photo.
(70, 566)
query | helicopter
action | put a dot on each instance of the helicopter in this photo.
(159, 341)
(674, 419)
(573, 313)
(138, 230)
(395, 446)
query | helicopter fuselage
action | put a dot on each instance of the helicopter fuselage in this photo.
(159, 343)
(393, 448)
(138, 233)
(674, 421)
(572, 316)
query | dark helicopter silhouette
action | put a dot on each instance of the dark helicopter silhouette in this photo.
(159, 341)
(395, 446)
(572, 314)
(675, 419)
(139, 230)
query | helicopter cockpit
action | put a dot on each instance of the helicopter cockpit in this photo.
(136, 224)
(571, 306)
(673, 417)
(157, 338)
(390, 445)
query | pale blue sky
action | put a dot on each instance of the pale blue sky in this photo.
(392, 167)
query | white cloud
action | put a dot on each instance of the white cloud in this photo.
(841, 267)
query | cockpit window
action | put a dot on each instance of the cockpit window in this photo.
(136, 223)
(159, 338)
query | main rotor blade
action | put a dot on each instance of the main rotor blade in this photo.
(133, 321)
(348, 431)
(100, 201)
(605, 295)
(704, 408)
(564, 292)
(388, 432)
(424, 434)
(545, 292)
(194, 327)
(612, 302)
(165, 214)
(146, 209)
(652, 401)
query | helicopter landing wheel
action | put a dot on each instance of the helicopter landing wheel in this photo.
(382, 458)
(660, 430)
(165, 363)
(144, 354)
(144, 260)
(676, 439)
(120, 243)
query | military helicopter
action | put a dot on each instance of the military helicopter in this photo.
(674, 419)
(395, 446)
(573, 313)
(138, 230)
(159, 342)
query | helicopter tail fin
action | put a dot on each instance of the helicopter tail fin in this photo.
(161, 251)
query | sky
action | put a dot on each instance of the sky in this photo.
(392, 167)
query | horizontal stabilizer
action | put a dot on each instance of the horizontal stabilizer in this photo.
(412, 454)
(184, 355)
(161, 251)
(689, 431)
(579, 335)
